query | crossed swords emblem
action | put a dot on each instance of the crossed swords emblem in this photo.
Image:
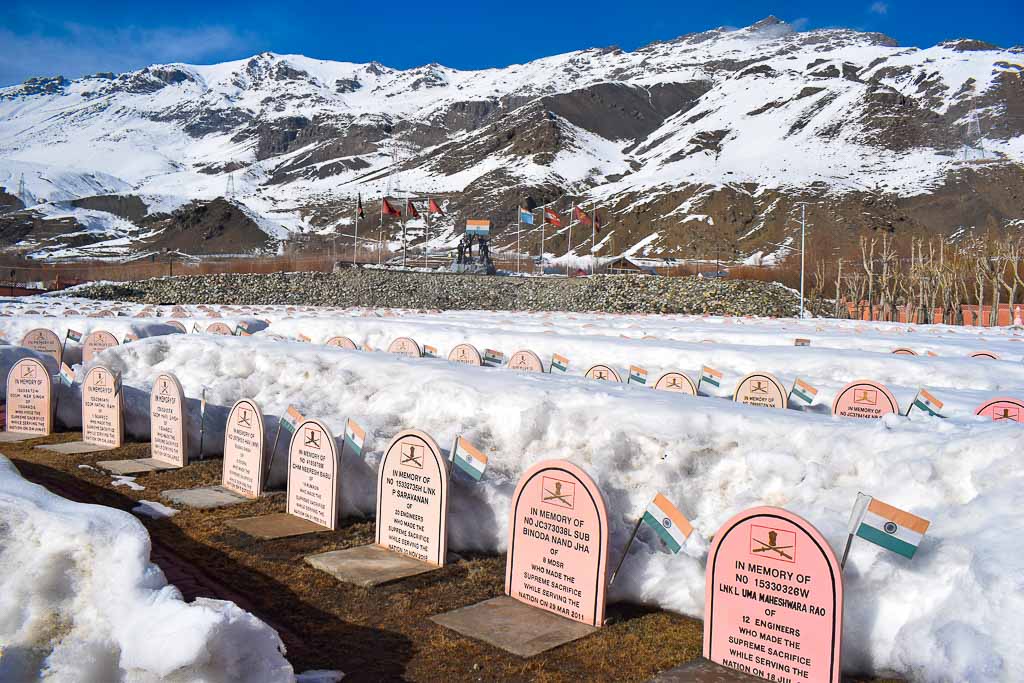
(313, 438)
(244, 418)
(772, 546)
(557, 494)
(411, 456)
(1006, 415)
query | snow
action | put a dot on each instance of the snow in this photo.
(903, 617)
(81, 601)
(64, 145)
(121, 480)
(153, 509)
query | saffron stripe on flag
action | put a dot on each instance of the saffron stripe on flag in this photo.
(900, 517)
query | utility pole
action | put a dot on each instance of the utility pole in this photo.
(803, 252)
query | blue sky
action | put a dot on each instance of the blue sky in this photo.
(76, 38)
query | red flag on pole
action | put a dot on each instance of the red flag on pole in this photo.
(552, 218)
(389, 210)
(597, 221)
(410, 210)
(581, 216)
(434, 208)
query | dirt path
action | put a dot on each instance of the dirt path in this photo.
(371, 634)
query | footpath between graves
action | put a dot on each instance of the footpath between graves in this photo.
(375, 634)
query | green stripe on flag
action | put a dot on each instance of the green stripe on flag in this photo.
(712, 381)
(802, 396)
(662, 532)
(870, 533)
(461, 463)
(924, 406)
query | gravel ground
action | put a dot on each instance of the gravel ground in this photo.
(358, 287)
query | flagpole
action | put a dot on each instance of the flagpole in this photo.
(543, 218)
(846, 552)
(202, 422)
(273, 449)
(572, 214)
(519, 227)
(426, 233)
(380, 236)
(355, 242)
(625, 552)
(405, 241)
(593, 241)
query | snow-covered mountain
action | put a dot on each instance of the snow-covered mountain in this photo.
(698, 144)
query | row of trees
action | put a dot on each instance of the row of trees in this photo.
(920, 276)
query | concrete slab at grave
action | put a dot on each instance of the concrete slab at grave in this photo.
(702, 671)
(73, 448)
(368, 565)
(16, 437)
(280, 525)
(204, 497)
(514, 626)
(129, 467)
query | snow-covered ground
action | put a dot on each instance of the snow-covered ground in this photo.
(80, 601)
(952, 613)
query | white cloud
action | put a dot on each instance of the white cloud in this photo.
(76, 50)
(879, 8)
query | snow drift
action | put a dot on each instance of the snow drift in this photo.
(80, 601)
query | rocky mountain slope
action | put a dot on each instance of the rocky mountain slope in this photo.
(689, 148)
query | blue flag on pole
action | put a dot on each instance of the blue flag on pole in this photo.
(525, 216)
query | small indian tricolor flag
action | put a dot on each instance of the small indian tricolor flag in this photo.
(558, 362)
(492, 357)
(429, 351)
(928, 403)
(129, 338)
(803, 392)
(889, 527)
(242, 330)
(468, 458)
(355, 437)
(74, 335)
(668, 522)
(801, 342)
(709, 375)
(367, 347)
(637, 375)
(291, 420)
(67, 375)
(304, 338)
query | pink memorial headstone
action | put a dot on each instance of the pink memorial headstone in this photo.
(29, 398)
(242, 469)
(412, 498)
(525, 360)
(677, 382)
(177, 325)
(603, 373)
(168, 435)
(988, 355)
(313, 474)
(466, 354)
(404, 346)
(904, 352)
(773, 602)
(44, 341)
(342, 343)
(102, 409)
(760, 389)
(219, 328)
(558, 542)
(1002, 409)
(864, 399)
(96, 341)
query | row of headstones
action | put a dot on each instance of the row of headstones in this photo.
(862, 398)
(558, 545)
(47, 342)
